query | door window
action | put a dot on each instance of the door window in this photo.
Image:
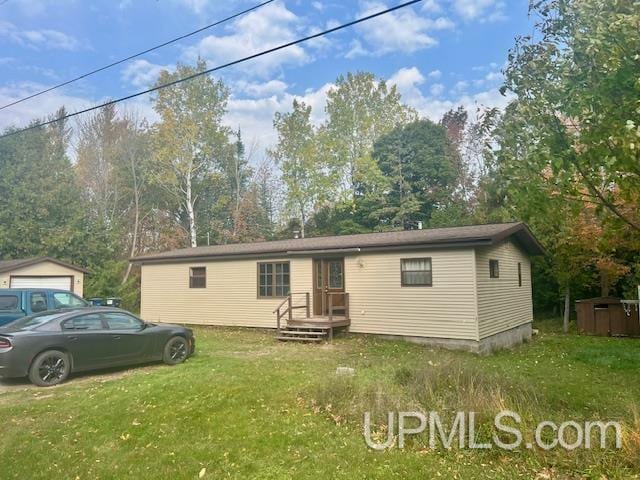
(318, 274)
(8, 302)
(335, 274)
(122, 321)
(38, 302)
(84, 322)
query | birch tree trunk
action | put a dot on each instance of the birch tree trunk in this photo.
(567, 309)
(302, 220)
(190, 212)
(136, 223)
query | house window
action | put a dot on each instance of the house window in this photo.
(416, 272)
(198, 277)
(273, 279)
(494, 269)
(519, 274)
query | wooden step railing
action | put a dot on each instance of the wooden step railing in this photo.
(331, 302)
(290, 307)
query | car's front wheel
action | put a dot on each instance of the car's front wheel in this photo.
(50, 368)
(176, 351)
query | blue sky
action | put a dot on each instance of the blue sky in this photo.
(439, 53)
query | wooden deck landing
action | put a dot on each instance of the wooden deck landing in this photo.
(319, 321)
(307, 327)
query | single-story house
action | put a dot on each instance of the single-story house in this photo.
(461, 287)
(41, 272)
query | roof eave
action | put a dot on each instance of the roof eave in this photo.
(468, 243)
(35, 261)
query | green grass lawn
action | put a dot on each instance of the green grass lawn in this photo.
(248, 407)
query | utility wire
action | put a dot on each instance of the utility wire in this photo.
(219, 67)
(135, 55)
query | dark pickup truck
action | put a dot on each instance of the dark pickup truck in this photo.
(19, 302)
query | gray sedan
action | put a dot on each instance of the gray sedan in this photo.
(47, 347)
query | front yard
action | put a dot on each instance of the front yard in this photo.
(248, 407)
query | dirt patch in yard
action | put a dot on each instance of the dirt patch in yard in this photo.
(8, 385)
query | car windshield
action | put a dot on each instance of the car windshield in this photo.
(33, 321)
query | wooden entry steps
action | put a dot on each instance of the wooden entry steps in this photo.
(307, 328)
(305, 334)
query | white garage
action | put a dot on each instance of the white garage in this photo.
(42, 272)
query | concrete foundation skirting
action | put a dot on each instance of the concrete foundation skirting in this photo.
(508, 338)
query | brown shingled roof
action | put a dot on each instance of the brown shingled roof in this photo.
(473, 235)
(8, 265)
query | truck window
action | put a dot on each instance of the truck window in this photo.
(8, 302)
(38, 302)
(67, 300)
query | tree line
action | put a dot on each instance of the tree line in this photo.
(563, 157)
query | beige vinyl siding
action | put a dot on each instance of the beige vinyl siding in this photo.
(379, 304)
(502, 304)
(230, 297)
(45, 269)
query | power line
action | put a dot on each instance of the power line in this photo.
(135, 55)
(214, 69)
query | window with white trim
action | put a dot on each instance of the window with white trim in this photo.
(416, 272)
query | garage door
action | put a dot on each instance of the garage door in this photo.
(63, 283)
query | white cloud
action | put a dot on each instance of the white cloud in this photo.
(436, 89)
(483, 10)
(255, 115)
(356, 50)
(431, 6)
(38, 39)
(46, 105)
(141, 73)
(433, 106)
(460, 86)
(401, 31)
(492, 78)
(268, 27)
(197, 6)
(21, 114)
(36, 8)
(406, 81)
(434, 74)
(272, 87)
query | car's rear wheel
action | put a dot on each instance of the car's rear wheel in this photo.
(176, 351)
(50, 368)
